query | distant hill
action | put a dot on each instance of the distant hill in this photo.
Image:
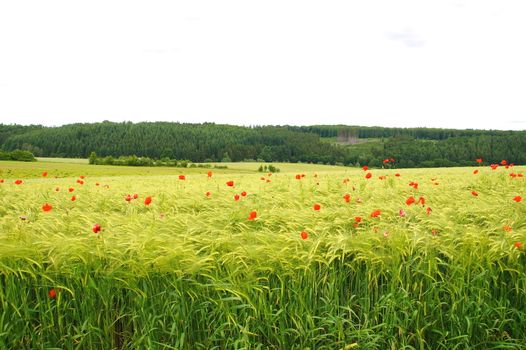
(328, 144)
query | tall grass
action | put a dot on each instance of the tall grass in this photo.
(191, 272)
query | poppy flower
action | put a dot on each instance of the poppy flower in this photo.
(304, 235)
(414, 185)
(513, 175)
(18, 182)
(365, 168)
(507, 228)
(147, 200)
(346, 181)
(368, 175)
(357, 219)
(57, 189)
(387, 160)
(236, 197)
(383, 177)
(47, 207)
(52, 293)
(44, 174)
(494, 166)
(262, 178)
(243, 194)
(135, 196)
(517, 199)
(475, 172)
(347, 197)
(520, 175)
(303, 175)
(97, 184)
(96, 228)
(268, 181)
(518, 245)
(422, 200)
(128, 198)
(402, 213)
(73, 198)
(503, 162)
(428, 210)
(397, 175)
(80, 182)
(474, 193)
(71, 189)
(375, 213)
(82, 176)
(1, 181)
(209, 173)
(479, 160)
(298, 177)
(208, 193)
(317, 206)
(230, 183)
(182, 177)
(252, 215)
(410, 200)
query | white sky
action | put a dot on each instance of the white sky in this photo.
(458, 64)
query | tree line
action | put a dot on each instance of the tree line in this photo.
(209, 142)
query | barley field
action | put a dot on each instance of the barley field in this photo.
(312, 257)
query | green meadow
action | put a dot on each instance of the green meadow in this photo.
(193, 263)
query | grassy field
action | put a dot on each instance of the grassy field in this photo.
(195, 263)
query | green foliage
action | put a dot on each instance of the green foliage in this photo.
(19, 155)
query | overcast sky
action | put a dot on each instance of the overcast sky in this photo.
(455, 64)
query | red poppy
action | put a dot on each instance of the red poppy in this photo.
(383, 177)
(96, 228)
(147, 200)
(18, 182)
(422, 200)
(365, 168)
(209, 173)
(303, 175)
(402, 213)
(414, 185)
(503, 162)
(428, 210)
(71, 189)
(182, 177)
(243, 194)
(236, 197)
(397, 175)
(494, 166)
(347, 197)
(410, 200)
(52, 293)
(474, 193)
(73, 198)
(518, 245)
(357, 219)
(507, 228)
(375, 213)
(262, 178)
(1, 181)
(268, 180)
(298, 177)
(128, 198)
(230, 183)
(317, 206)
(47, 207)
(80, 182)
(82, 176)
(475, 172)
(507, 167)
(252, 215)
(346, 181)
(517, 199)
(479, 160)
(304, 235)
(368, 175)
(135, 196)
(513, 175)
(387, 160)
(520, 175)
(44, 174)
(208, 194)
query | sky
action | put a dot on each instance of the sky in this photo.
(450, 64)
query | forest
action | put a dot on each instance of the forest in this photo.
(209, 142)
